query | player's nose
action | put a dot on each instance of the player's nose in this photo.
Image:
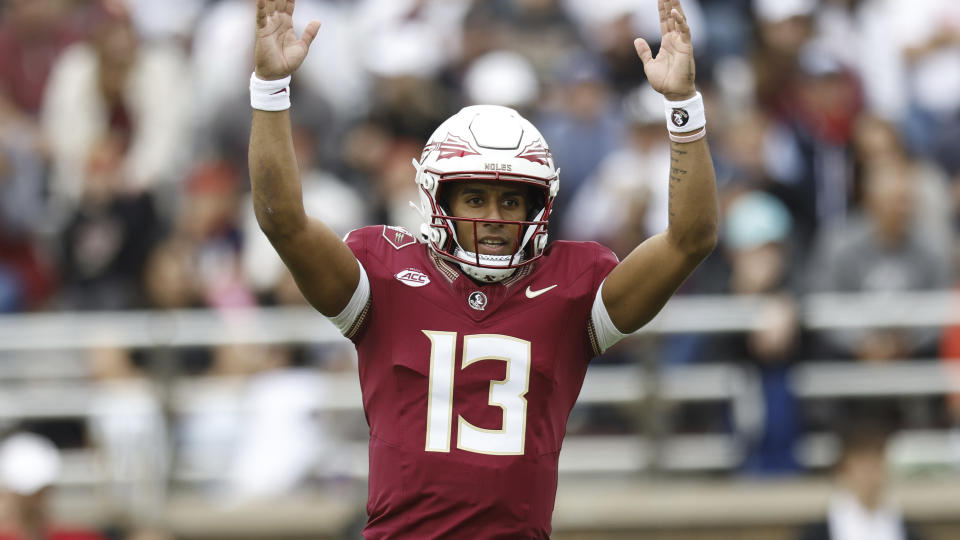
(493, 211)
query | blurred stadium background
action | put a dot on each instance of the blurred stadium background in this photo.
(149, 332)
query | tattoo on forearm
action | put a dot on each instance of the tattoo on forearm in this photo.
(676, 177)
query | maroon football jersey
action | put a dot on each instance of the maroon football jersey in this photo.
(467, 388)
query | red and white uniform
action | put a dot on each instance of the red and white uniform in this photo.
(467, 387)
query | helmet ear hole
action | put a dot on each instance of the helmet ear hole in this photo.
(537, 201)
(443, 197)
(428, 182)
(540, 242)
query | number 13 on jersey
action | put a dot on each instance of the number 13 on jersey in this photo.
(507, 394)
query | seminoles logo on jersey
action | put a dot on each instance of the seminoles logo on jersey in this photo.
(477, 300)
(679, 117)
(412, 277)
(398, 237)
(450, 147)
(536, 152)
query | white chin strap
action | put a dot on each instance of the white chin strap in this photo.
(486, 274)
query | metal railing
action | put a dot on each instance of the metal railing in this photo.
(24, 337)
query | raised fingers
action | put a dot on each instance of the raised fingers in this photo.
(663, 8)
(261, 13)
(309, 33)
(643, 50)
(289, 9)
(680, 23)
(675, 4)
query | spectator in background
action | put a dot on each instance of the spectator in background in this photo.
(582, 123)
(759, 256)
(409, 50)
(881, 251)
(165, 20)
(609, 27)
(210, 428)
(29, 467)
(285, 439)
(209, 221)
(502, 77)
(128, 430)
(115, 84)
(877, 143)
(221, 53)
(169, 279)
(762, 261)
(108, 235)
(819, 109)
(622, 203)
(783, 27)
(950, 353)
(32, 35)
(859, 508)
(923, 47)
(541, 29)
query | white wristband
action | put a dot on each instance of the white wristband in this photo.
(269, 95)
(685, 116)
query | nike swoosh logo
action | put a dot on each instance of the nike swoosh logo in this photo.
(533, 294)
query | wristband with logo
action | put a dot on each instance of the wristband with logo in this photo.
(269, 95)
(685, 116)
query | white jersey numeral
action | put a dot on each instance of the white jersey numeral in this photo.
(507, 394)
(440, 394)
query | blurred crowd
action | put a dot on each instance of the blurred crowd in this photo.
(834, 126)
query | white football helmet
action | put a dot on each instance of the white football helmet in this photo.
(486, 143)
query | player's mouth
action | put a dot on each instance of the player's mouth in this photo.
(492, 245)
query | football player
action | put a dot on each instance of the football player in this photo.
(473, 334)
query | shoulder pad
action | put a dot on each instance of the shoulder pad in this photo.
(398, 237)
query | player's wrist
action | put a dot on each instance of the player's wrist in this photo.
(686, 118)
(264, 76)
(269, 94)
(680, 96)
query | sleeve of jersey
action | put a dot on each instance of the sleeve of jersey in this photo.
(603, 334)
(350, 319)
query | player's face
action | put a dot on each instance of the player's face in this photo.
(489, 200)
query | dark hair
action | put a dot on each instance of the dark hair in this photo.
(862, 435)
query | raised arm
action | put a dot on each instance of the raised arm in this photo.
(639, 286)
(322, 265)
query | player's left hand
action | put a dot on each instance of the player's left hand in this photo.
(672, 72)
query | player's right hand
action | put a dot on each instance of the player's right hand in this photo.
(277, 51)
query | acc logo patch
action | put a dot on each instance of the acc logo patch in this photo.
(412, 277)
